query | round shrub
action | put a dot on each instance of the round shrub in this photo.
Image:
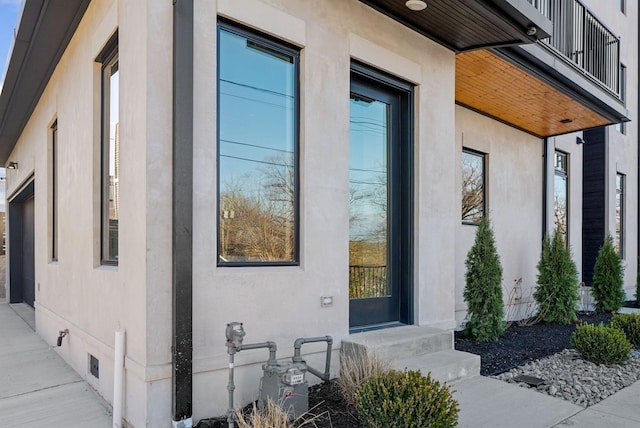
(601, 344)
(406, 400)
(630, 326)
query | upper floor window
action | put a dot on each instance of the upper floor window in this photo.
(622, 6)
(619, 237)
(257, 149)
(110, 151)
(561, 195)
(473, 187)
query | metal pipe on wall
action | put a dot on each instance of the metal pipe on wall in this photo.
(182, 214)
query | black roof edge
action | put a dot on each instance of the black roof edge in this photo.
(43, 34)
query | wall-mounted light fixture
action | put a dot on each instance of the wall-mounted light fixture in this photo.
(416, 5)
(579, 140)
(12, 165)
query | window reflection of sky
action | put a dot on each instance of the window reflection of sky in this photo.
(256, 111)
(114, 116)
(368, 170)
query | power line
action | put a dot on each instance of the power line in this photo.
(255, 145)
(257, 161)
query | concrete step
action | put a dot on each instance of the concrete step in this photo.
(444, 366)
(400, 342)
(416, 348)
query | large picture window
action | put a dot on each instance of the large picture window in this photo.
(561, 195)
(110, 151)
(257, 149)
(473, 187)
(619, 238)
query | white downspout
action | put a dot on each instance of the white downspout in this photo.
(118, 378)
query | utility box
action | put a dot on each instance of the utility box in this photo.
(285, 384)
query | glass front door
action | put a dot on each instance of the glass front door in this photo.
(377, 214)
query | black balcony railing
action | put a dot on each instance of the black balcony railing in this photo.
(368, 281)
(582, 39)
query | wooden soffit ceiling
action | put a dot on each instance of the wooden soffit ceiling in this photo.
(493, 86)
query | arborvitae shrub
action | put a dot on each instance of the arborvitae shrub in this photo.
(601, 344)
(630, 326)
(608, 278)
(557, 291)
(483, 289)
(406, 400)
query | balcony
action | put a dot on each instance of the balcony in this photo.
(580, 38)
(563, 77)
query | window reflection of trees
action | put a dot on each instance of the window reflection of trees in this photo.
(472, 187)
(257, 217)
(560, 196)
(257, 171)
(368, 198)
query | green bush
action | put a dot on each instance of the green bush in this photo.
(601, 344)
(483, 289)
(630, 326)
(406, 400)
(608, 278)
(557, 291)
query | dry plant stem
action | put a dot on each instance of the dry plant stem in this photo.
(357, 369)
(273, 416)
(515, 299)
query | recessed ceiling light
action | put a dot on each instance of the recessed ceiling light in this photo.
(416, 5)
(566, 120)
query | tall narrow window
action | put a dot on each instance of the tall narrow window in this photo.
(561, 195)
(257, 149)
(110, 150)
(619, 238)
(473, 188)
(54, 191)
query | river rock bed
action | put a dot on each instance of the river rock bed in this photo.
(581, 382)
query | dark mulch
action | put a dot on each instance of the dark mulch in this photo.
(521, 345)
(518, 346)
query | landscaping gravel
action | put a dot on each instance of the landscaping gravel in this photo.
(568, 376)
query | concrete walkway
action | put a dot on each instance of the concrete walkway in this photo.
(37, 388)
(491, 403)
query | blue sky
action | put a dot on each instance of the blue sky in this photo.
(8, 16)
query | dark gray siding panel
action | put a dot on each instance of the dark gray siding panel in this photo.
(593, 199)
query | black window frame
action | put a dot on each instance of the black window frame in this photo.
(559, 172)
(278, 46)
(54, 191)
(619, 239)
(107, 58)
(483, 156)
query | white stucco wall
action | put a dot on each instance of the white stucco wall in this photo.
(283, 303)
(275, 303)
(76, 292)
(513, 171)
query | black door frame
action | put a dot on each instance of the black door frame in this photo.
(401, 190)
(16, 246)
